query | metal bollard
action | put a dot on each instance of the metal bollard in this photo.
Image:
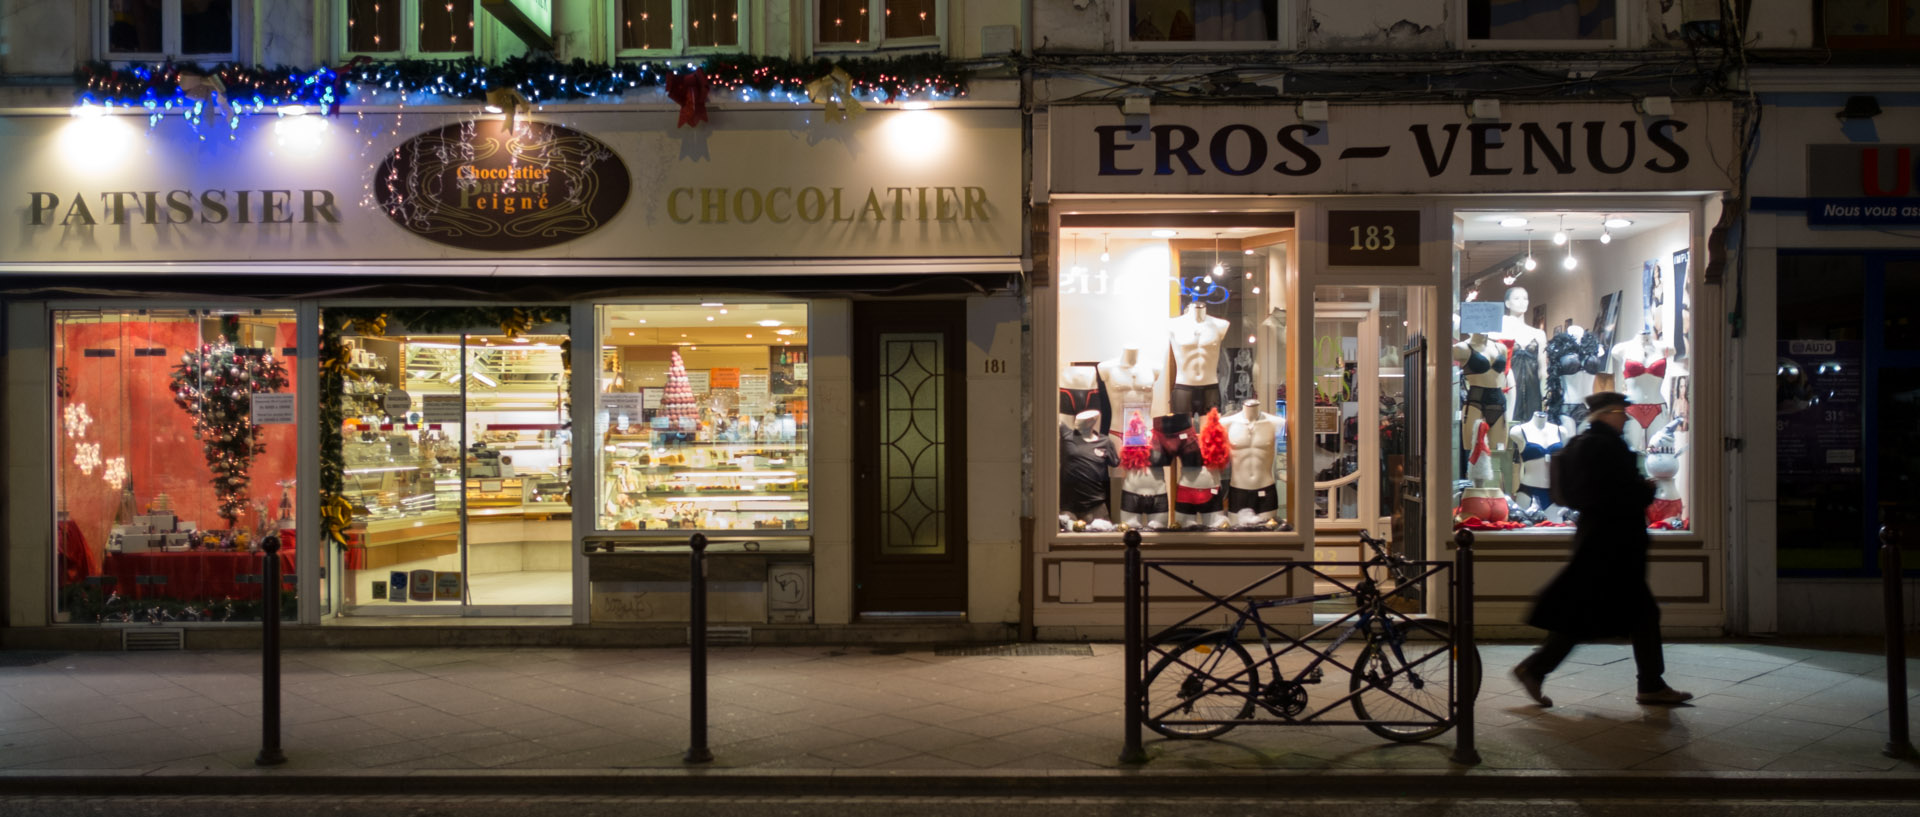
(1135, 652)
(1468, 668)
(1898, 742)
(270, 754)
(697, 751)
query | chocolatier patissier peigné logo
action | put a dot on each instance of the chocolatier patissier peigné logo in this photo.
(475, 186)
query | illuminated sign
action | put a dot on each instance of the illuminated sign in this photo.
(475, 186)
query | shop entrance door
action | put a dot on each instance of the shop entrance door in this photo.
(909, 452)
(455, 462)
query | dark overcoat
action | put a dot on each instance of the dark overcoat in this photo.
(1602, 592)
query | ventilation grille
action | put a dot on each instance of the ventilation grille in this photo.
(726, 636)
(148, 639)
(1017, 649)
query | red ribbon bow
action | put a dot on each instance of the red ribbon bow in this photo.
(690, 90)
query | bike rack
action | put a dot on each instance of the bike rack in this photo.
(1144, 649)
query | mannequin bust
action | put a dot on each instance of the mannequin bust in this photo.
(1143, 490)
(1198, 496)
(1573, 358)
(1528, 367)
(1640, 366)
(1535, 443)
(1252, 495)
(1663, 467)
(1129, 381)
(1085, 457)
(1483, 361)
(1079, 391)
(1194, 336)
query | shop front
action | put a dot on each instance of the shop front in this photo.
(1269, 333)
(489, 373)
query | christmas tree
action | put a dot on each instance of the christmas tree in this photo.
(215, 385)
(678, 402)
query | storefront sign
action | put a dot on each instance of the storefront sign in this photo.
(1373, 238)
(1414, 148)
(474, 185)
(1863, 185)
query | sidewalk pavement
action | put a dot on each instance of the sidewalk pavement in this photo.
(1804, 714)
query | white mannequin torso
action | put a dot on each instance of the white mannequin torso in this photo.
(1195, 339)
(1250, 436)
(1536, 473)
(1645, 352)
(1129, 380)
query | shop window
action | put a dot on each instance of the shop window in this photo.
(432, 28)
(882, 23)
(1544, 23)
(1172, 386)
(702, 418)
(1163, 24)
(1871, 24)
(201, 30)
(647, 27)
(170, 462)
(1555, 307)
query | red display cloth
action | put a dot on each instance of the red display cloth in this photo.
(76, 559)
(191, 574)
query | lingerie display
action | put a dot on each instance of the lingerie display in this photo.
(1526, 380)
(1664, 509)
(1083, 471)
(1646, 413)
(1194, 399)
(1477, 363)
(1566, 356)
(1492, 402)
(1175, 440)
(1539, 496)
(1196, 500)
(1074, 401)
(1257, 500)
(1144, 504)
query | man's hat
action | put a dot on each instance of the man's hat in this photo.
(1605, 399)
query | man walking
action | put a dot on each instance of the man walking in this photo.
(1602, 592)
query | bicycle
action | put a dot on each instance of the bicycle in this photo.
(1214, 683)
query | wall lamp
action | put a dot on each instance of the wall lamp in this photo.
(1484, 109)
(1860, 107)
(1313, 110)
(1136, 105)
(508, 101)
(1655, 106)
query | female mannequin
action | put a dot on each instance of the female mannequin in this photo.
(1129, 383)
(1640, 365)
(1484, 362)
(1252, 495)
(1195, 340)
(1663, 466)
(1485, 499)
(1143, 491)
(1573, 358)
(1535, 442)
(1080, 390)
(1525, 344)
(1085, 456)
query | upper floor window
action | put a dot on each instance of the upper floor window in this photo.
(199, 30)
(409, 27)
(1871, 23)
(643, 27)
(1544, 23)
(876, 23)
(1152, 24)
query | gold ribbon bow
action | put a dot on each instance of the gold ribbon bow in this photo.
(835, 91)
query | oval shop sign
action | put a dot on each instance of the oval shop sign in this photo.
(475, 186)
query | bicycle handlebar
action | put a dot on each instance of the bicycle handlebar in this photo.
(1395, 564)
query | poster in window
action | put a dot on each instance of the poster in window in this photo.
(1681, 310)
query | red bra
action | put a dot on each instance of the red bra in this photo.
(1657, 368)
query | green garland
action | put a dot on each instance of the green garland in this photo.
(542, 79)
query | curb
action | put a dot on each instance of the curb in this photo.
(1335, 784)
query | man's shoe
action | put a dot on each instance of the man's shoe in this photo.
(1664, 697)
(1530, 683)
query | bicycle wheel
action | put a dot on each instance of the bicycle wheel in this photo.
(1209, 678)
(1411, 684)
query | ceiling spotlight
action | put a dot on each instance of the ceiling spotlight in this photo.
(1560, 235)
(1617, 223)
(1104, 255)
(769, 323)
(1569, 262)
(1219, 269)
(1606, 232)
(1529, 264)
(1513, 222)
(1164, 233)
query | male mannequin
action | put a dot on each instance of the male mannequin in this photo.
(1483, 361)
(1640, 366)
(1526, 343)
(1085, 456)
(1080, 391)
(1535, 442)
(1195, 338)
(1143, 489)
(1252, 495)
(1129, 382)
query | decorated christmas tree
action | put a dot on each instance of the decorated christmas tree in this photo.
(678, 401)
(215, 385)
